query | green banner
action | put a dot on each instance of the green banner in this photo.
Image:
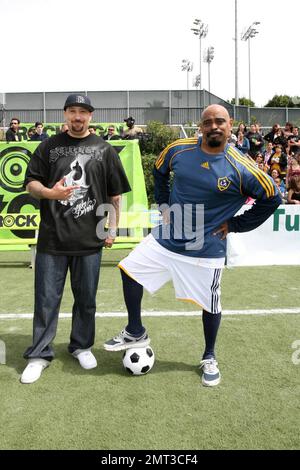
(19, 211)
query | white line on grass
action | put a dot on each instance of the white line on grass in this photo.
(274, 311)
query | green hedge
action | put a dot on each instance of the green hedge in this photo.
(148, 161)
(158, 136)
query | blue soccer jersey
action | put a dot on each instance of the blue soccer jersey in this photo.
(206, 191)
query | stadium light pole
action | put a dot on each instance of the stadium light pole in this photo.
(196, 81)
(208, 57)
(196, 84)
(187, 66)
(200, 30)
(250, 33)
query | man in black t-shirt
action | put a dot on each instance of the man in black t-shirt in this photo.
(294, 141)
(13, 134)
(78, 178)
(255, 139)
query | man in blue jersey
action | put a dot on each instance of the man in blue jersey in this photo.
(212, 181)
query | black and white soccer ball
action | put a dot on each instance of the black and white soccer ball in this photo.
(138, 361)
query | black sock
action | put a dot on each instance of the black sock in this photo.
(133, 294)
(211, 323)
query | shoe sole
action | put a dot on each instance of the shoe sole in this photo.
(89, 367)
(122, 347)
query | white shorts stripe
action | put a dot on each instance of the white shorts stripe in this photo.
(215, 292)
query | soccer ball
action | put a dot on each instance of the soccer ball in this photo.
(138, 361)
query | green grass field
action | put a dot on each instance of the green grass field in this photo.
(256, 406)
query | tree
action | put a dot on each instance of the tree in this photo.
(158, 136)
(281, 101)
(244, 102)
(152, 142)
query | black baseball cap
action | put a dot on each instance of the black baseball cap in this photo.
(79, 100)
(130, 118)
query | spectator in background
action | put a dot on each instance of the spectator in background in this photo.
(232, 139)
(268, 152)
(293, 166)
(259, 158)
(92, 130)
(241, 128)
(133, 131)
(258, 128)
(288, 129)
(294, 190)
(279, 139)
(275, 175)
(278, 161)
(30, 133)
(39, 134)
(255, 139)
(276, 136)
(281, 189)
(64, 127)
(272, 134)
(261, 166)
(198, 132)
(111, 133)
(293, 141)
(242, 143)
(13, 134)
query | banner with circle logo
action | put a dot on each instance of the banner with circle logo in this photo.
(19, 212)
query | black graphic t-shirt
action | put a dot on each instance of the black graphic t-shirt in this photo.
(70, 227)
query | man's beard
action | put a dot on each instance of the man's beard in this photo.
(214, 141)
(75, 127)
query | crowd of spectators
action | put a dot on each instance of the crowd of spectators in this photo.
(276, 153)
(36, 132)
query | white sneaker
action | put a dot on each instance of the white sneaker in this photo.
(33, 370)
(86, 358)
(125, 340)
(211, 375)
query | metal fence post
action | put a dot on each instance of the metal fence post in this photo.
(44, 107)
(128, 102)
(170, 107)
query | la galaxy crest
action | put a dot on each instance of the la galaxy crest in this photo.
(223, 183)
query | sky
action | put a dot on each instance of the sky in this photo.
(77, 45)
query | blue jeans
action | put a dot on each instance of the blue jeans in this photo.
(50, 276)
